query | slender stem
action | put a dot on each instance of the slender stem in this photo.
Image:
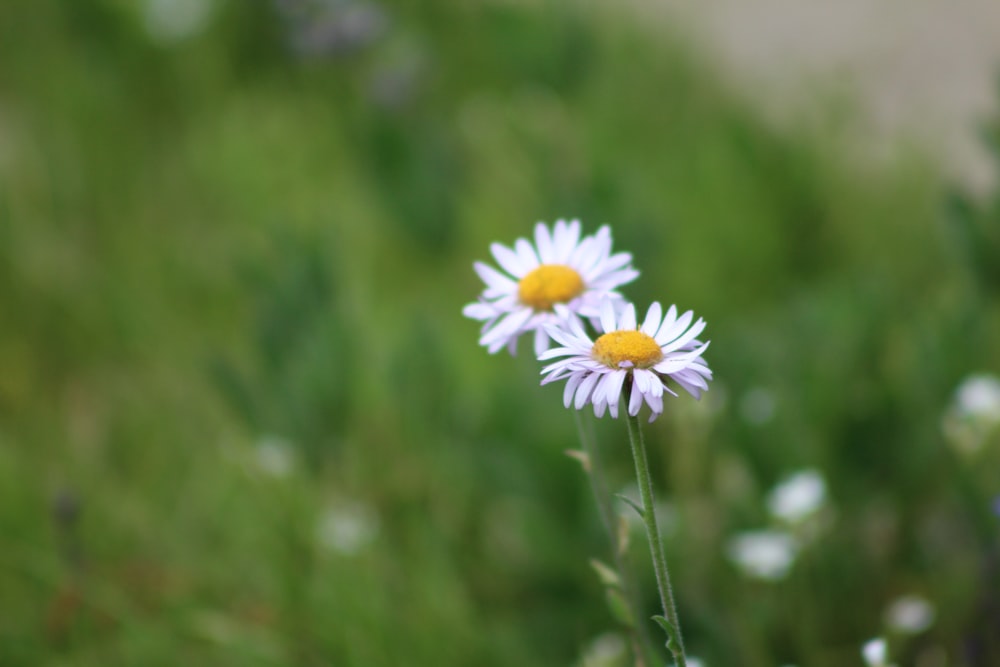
(653, 533)
(602, 496)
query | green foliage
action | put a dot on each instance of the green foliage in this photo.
(242, 421)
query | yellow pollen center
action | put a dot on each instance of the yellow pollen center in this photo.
(613, 348)
(548, 285)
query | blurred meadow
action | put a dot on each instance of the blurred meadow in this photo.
(243, 422)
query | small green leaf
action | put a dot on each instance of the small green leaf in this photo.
(619, 607)
(606, 574)
(622, 537)
(582, 457)
(673, 634)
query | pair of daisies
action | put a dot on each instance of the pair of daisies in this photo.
(553, 287)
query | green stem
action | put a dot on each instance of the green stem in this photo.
(602, 497)
(676, 643)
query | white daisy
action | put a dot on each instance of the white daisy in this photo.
(560, 268)
(661, 349)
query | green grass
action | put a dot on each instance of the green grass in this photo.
(209, 243)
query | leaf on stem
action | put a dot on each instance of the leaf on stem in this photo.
(606, 574)
(582, 457)
(673, 635)
(631, 503)
(623, 535)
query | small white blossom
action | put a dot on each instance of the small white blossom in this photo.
(979, 397)
(347, 527)
(274, 456)
(798, 496)
(974, 415)
(910, 614)
(875, 652)
(764, 554)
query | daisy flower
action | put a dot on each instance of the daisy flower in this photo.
(559, 269)
(639, 359)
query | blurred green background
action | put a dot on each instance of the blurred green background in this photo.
(242, 421)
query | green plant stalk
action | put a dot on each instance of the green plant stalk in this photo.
(675, 643)
(602, 497)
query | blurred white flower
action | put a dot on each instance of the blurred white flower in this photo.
(695, 662)
(974, 412)
(175, 20)
(274, 456)
(347, 527)
(606, 650)
(909, 614)
(764, 554)
(875, 652)
(758, 406)
(979, 397)
(797, 496)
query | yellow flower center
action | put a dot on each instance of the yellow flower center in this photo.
(613, 348)
(549, 284)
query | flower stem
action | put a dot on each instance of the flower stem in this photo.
(642, 645)
(669, 622)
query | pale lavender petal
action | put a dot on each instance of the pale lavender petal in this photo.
(613, 406)
(586, 387)
(571, 384)
(655, 404)
(634, 402)
(613, 389)
(642, 379)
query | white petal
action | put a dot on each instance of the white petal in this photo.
(508, 260)
(654, 316)
(543, 240)
(627, 320)
(687, 337)
(607, 316)
(615, 262)
(508, 326)
(609, 281)
(479, 311)
(541, 341)
(494, 279)
(672, 327)
(526, 254)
